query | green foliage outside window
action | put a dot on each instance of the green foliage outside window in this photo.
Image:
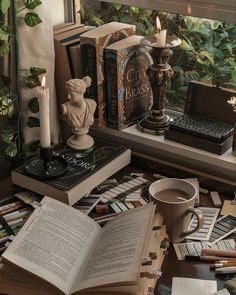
(207, 52)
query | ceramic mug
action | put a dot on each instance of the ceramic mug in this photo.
(175, 199)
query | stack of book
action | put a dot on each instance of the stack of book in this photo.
(60, 250)
(86, 170)
(113, 57)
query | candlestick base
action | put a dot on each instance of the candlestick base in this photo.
(46, 166)
(154, 124)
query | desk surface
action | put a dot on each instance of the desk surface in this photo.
(171, 266)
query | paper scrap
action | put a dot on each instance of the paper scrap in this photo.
(186, 286)
(204, 233)
(228, 208)
(223, 227)
(194, 248)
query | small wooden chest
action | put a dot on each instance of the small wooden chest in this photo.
(208, 120)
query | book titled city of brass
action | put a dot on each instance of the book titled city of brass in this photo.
(208, 120)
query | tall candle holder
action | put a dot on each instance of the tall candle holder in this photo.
(159, 73)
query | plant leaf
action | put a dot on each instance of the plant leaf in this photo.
(117, 6)
(6, 106)
(4, 49)
(216, 24)
(11, 150)
(32, 82)
(233, 74)
(187, 46)
(37, 71)
(204, 54)
(4, 5)
(7, 135)
(135, 10)
(33, 105)
(33, 122)
(4, 34)
(31, 4)
(32, 19)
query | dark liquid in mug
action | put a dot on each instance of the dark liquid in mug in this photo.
(172, 195)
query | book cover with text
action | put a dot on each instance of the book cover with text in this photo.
(129, 94)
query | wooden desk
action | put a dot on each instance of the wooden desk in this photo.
(171, 266)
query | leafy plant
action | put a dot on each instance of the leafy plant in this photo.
(207, 52)
(9, 99)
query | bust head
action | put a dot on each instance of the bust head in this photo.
(77, 87)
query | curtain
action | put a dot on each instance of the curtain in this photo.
(36, 49)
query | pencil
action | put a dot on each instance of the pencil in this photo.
(219, 264)
(225, 253)
(225, 270)
(205, 257)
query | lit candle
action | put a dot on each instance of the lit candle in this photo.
(161, 35)
(44, 113)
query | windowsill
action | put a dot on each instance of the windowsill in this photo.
(221, 166)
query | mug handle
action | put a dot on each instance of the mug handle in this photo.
(200, 220)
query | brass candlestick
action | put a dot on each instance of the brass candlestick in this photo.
(159, 74)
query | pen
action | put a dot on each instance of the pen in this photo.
(4, 240)
(204, 257)
(220, 264)
(225, 270)
(4, 207)
(16, 214)
(11, 209)
(13, 222)
(225, 253)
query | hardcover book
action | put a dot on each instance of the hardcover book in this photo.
(92, 60)
(128, 90)
(86, 170)
(60, 250)
(63, 61)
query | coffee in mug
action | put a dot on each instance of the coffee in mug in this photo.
(175, 199)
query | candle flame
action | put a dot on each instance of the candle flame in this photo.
(43, 82)
(158, 24)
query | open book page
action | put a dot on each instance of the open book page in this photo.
(54, 243)
(117, 254)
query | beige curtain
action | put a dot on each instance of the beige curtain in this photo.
(36, 49)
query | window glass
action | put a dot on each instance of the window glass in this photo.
(207, 52)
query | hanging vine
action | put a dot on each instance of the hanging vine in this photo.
(9, 96)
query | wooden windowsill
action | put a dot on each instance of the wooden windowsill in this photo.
(218, 166)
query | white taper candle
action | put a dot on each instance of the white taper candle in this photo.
(44, 113)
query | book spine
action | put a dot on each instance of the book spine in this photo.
(62, 71)
(89, 66)
(112, 88)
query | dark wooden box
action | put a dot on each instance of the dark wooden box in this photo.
(210, 102)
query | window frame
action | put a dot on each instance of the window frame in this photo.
(72, 10)
(211, 9)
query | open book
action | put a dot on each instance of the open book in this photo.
(61, 250)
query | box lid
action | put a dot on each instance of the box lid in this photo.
(210, 101)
